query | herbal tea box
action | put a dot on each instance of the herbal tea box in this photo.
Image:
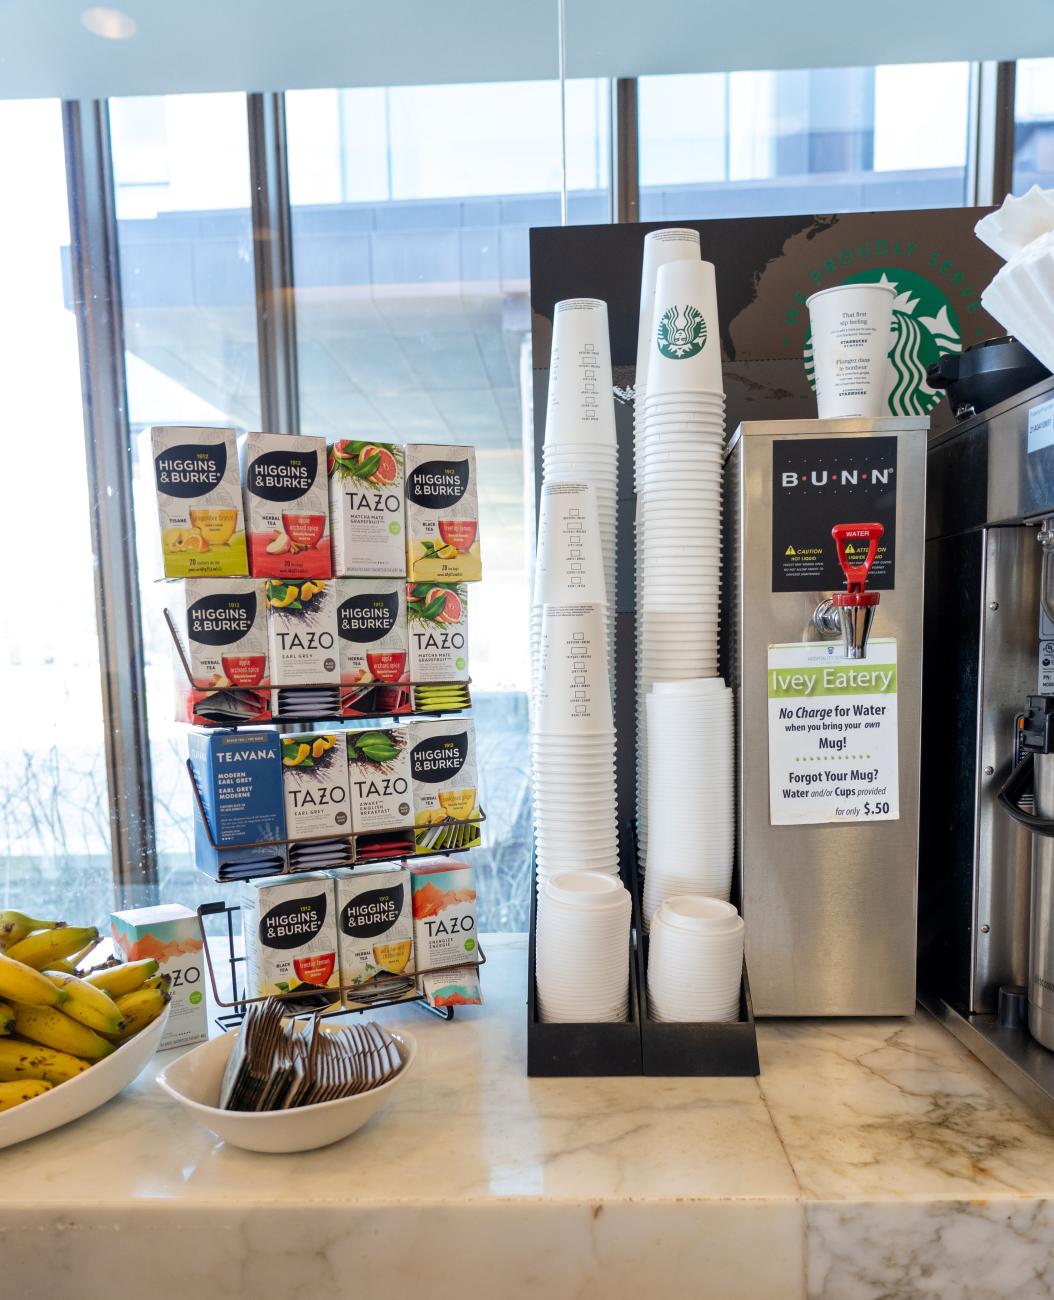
(442, 514)
(315, 779)
(199, 502)
(239, 777)
(171, 935)
(302, 632)
(375, 929)
(226, 632)
(379, 779)
(286, 505)
(366, 508)
(444, 904)
(443, 776)
(290, 933)
(437, 620)
(371, 631)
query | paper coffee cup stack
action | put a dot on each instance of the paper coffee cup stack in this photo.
(679, 453)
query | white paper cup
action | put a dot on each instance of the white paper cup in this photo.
(573, 692)
(580, 407)
(569, 564)
(660, 246)
(851, 339)
(685, 349)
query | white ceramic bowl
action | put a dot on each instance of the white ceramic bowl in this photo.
(83, 1093)
(194, 1081)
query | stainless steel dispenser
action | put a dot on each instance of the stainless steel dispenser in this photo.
(827, 870)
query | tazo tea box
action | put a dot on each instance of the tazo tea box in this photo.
(291, 940)
(444, 903)
(287, 505)
(371, 630)
(437, 619)
(199, 502)
(366, 507)
(315, 779)
(375, 934)
(171, 935)
(443, 772)
(442, 514)
(226, 632)
(379, 779)
(302, 632)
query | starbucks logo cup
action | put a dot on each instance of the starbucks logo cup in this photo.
(851, 338)
(686, 349)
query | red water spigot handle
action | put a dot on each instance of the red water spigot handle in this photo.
(856, 574)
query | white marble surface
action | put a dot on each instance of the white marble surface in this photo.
(871, 1159)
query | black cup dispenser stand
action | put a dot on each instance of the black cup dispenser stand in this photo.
(986, 868)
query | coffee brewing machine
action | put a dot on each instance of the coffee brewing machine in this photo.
(823, 613)
(986, 910)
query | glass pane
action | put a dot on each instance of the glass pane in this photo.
(181, 175)
(54, 820)
(829, 140)
(1034, 125)
(411, 208)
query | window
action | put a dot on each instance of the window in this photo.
(831, 140)
(54, 818)
(181, 175)
(1034, 125)
(411, 207)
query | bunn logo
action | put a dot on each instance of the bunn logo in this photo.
(190, 470)
(373, 913)
(221, 619)
(438, 484)
(837, 477)
(289, 925)
(367, 618)
(282, 475)
(925, 328)
(682, 332)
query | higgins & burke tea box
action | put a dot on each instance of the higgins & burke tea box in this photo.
(371, 630)
(443, 774)
(171, 935)
(199, 502)
(290, 935)
(226, 632)
(375, 933)
(437, 621)
(442, 514)
(286, 505)
(302, 632)
(366, 508)
(444, 905)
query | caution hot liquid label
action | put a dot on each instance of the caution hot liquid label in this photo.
(832, 734)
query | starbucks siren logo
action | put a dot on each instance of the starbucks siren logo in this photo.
(924, 329)
(682, 333)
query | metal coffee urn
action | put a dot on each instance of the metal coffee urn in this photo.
(822, 644)
(986, 867)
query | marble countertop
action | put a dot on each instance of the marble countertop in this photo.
(871, 1159)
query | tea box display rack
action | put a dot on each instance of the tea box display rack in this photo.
(235, 1006)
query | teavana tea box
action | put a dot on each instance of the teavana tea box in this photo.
(199, 502)
(379, 779)
(171, 935)
(442, 514)
(290, 933)
(375, 927)
(437, 619)
(315, 779)
(371, 630)
(443, 773)
(302, 632)
(286, 505)
(226, 632)
(239, 778)
(366, 508)
(444, 903)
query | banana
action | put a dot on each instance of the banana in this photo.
(16, 926)
(19, 983)
(139, 1009)
(50, 1028)
(19, 1061)
(14, 1094)
(40, 950)
(87, 1005)
(68, 965)
(7, 1018)
(125, 978)
(161, 982)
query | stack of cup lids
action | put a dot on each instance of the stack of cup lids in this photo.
(695, 961)
(583, 948)
(680, 442)
(691, 791)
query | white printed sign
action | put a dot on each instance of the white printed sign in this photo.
(833, 733)
(1041, 426)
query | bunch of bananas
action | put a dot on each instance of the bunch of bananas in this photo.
(54, 1023)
